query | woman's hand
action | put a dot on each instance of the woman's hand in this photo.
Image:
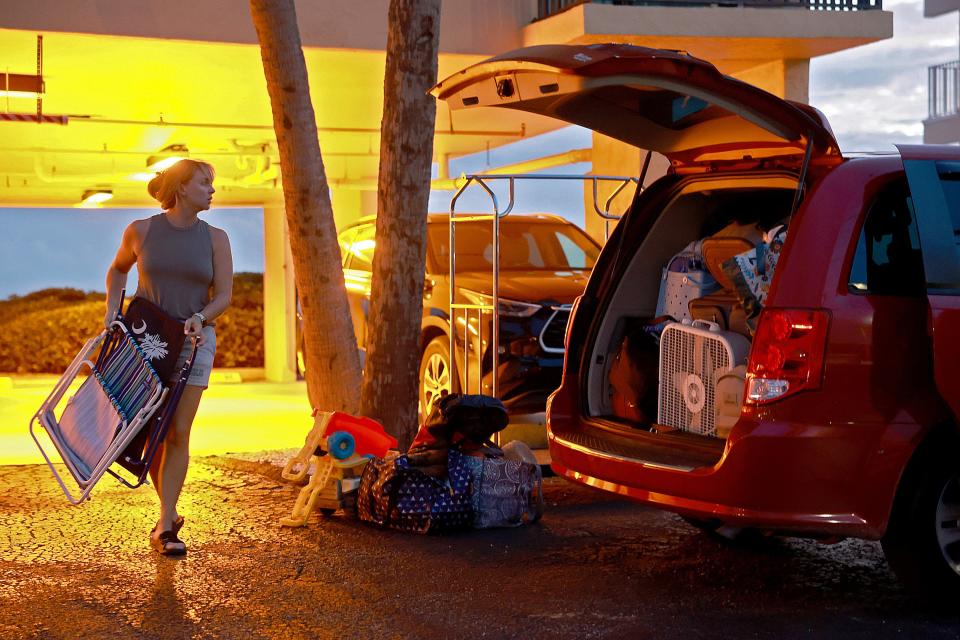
(193, 328)
(108, 318)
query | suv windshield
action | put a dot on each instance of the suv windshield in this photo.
(524, 245)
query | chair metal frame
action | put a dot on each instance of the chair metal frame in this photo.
(159, 393)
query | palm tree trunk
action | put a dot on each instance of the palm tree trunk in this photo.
(330, 347)
(406, 151)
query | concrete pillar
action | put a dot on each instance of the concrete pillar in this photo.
(788, 79)
(614, 158)
(351, 204)
(279, 299)
(784, 78)
(279, 289)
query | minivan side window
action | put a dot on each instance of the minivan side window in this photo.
(950, 181)
(888, 259)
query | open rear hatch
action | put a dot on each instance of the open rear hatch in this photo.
(666, 101)
(676, 105)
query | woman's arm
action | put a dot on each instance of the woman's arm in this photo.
(222, 283)
(117, 273)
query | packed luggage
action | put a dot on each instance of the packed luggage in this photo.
(685, 368)
(453, 476)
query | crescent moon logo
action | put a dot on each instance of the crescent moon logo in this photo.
(139, 330)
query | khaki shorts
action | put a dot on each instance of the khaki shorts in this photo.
(203, 363)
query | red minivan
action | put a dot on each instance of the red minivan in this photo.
(845, 416)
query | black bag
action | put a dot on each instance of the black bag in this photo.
(456, 418)
(159, 334)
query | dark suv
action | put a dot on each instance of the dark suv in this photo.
(544, 264)
(823, 403)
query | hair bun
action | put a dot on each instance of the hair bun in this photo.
(153, 187)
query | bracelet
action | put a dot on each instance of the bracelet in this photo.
(203, 318)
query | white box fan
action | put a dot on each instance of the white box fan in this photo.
(693, 357)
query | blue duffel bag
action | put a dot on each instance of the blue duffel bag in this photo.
(395, 495)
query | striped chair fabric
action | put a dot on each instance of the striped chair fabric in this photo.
(127, 376)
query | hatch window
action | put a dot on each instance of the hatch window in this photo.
(669, 109)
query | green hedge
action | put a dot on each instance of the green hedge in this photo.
(43, 331)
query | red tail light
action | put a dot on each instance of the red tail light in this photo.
(573, 311)
(787, 354)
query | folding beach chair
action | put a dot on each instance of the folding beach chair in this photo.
(118, 417)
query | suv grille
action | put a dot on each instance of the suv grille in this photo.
(551, 338)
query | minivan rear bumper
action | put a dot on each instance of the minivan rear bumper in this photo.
(813, 480)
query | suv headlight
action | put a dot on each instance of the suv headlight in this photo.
(507, 307)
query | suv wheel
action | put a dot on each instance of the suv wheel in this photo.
(922, 543)
(434, 374)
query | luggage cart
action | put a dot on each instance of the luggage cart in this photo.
(118, 417)
(467, 309)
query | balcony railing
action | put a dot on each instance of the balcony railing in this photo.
(551, 7)
(943, 82)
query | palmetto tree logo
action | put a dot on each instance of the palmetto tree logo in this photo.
(154, 347)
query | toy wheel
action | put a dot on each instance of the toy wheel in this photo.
(341, 445)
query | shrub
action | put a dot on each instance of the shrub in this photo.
(43, 330)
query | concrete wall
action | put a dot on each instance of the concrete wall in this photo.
(789, 79)
(938, 7)
(942, 130)
(717, 33)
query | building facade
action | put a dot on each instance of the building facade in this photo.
(128, 84)
(943, 87)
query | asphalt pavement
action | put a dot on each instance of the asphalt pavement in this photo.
(595, 567)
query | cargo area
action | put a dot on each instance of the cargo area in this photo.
(668, 351)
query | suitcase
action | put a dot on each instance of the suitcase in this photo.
(722, 308)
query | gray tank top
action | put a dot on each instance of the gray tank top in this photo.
(175, 267)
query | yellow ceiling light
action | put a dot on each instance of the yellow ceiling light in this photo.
(157, 165)
(161, 161)
(95, 198)
(19, 85)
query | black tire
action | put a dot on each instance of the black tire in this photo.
(435, 374)
(922, 541)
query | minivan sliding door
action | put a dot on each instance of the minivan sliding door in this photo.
(935, 187)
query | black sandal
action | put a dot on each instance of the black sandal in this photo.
(168, 544)
(177, 525)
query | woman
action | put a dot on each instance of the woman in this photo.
(186, 269)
